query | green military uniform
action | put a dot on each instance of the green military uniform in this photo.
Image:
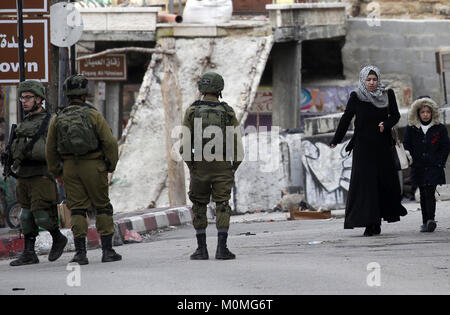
(214, 179)
(36, 189)
(85, 176)
(211, 179)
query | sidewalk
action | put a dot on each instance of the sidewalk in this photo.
(142, 222)
(11, 244)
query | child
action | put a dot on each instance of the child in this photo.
(427, 141)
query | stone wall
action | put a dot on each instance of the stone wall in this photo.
(401, 47)
(404, 9)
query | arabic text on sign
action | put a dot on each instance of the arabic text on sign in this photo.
(4, 43)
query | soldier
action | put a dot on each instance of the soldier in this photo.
(36, 189)
(81, 150)
(211, 178)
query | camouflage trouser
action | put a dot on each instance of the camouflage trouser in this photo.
(211, 180)
(38, 198)
(86, 186)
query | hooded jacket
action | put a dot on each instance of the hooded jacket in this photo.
(429, 151)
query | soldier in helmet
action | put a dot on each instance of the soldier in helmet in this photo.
(81, 150)
(211, 171)
(36, 188)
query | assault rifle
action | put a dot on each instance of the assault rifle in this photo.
(7, 157)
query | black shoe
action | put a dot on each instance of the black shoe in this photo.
(376, 229)
(222, 251)
(431, 225)
(28, 256)
(201, 252)
(59, 242)
(368, 231)
(423, 228)
(109, 254)
(80, 251)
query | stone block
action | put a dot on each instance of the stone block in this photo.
(119, 19)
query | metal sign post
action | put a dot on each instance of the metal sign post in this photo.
(443, 66)
(73, 68)
(21, 55)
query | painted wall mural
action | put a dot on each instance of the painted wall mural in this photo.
(325, 99)
(316, 99)
(327, 173)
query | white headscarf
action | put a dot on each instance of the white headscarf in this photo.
(379, 96)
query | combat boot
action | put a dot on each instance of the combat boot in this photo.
(109, 254)
(222, 251)
(28, 256)
(59, 242)
(80, 251)
(202, 251)
(431, 225)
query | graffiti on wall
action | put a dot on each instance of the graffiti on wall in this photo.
(320, 99)
(325, 99)
(263, 101)
(327, 173)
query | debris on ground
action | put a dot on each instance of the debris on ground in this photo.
(298, 214)
(247, 233)
(299, 209)
(131, 236)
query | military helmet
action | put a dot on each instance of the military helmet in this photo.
(210, 82)
(33, 86)
(76, 85)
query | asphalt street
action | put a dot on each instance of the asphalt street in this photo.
(274, 256)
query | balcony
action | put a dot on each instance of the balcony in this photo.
(119, 23)
(307, 21)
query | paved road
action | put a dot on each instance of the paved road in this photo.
(279, 257)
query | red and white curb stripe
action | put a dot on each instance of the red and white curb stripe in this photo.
(12, 245)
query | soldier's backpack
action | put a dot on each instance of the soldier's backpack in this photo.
(214, 114)
(75, 131)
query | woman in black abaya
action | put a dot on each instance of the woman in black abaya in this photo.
(374, 194)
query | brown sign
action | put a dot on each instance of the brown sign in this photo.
(109, 67)
(36, 48)
(29, 6)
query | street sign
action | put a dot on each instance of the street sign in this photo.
(29, 6)
(109, 67)
(66, 24)
(36, 44)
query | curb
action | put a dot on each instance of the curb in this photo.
(12, 245)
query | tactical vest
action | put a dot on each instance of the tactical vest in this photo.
(213, 114)
(32, 129)
(75, 131)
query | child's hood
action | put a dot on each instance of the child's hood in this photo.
(413, 118)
